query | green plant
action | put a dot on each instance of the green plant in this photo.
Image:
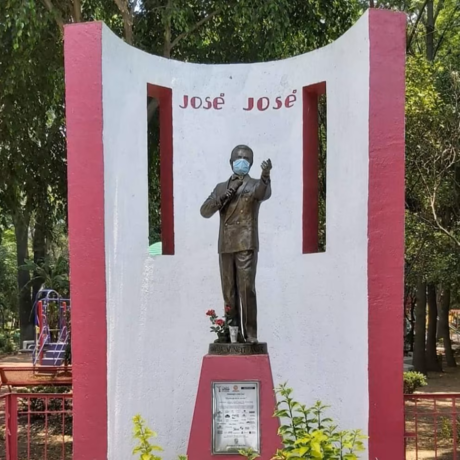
(8, 342)
(412, 381)
(308, 434)
(249, 453)
(447, 431)
(142, 434)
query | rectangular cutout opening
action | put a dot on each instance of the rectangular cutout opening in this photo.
(314, 168)
(160, 170)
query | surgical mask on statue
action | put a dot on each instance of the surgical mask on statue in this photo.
(241, 167)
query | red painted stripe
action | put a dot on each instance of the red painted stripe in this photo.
(386, 233)
(310, 205)
(83, 68)
(164, 96)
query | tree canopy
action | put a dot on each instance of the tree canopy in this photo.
(33, 192)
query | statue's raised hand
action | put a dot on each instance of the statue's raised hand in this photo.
(266, 167)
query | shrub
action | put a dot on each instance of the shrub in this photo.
(142, 434)
(249, 454)
(308, 434)
(412, 381)
(447, 432)
(8, 342)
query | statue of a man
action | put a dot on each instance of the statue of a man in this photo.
(238, 200)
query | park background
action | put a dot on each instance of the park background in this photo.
(33, 182)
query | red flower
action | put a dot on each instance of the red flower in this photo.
(211, 313)
(228, 309)
(219, 322)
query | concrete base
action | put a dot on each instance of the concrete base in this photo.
(233, 368)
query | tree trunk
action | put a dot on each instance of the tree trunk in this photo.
(128, 27)
(40, 250)
(412, 325)
(77, 10)
(419, 360)
(167, 42)
(430, 30)
(444, 327)
(432, 362)
(127, 14)
(438, 303)
(26, 318)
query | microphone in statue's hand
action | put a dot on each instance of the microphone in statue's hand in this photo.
(233, 189)
(226, 198)
(237, 184)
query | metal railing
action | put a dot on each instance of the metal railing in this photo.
(39, 426)
(432, 428)
(41, 343)
(36, 426)
(61, 346)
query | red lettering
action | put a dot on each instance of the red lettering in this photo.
(279, 103)
(250, 104)
(289, 102)
(260, 105)
(194, 100)
(208, 103)
(218, 101)
(185, 103)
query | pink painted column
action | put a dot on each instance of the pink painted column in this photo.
(386, 234)
(236, 369)
(83, 67)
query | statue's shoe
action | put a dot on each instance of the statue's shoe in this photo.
(251, 340)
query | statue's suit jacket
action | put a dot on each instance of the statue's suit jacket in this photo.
(239, 229)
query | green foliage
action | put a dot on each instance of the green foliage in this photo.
(308, 434)
(249, 453)
(8, 282)
(412, 381)
(447, 431)
(241, 30)
(433, 162)
(142, 434)
(8, 342)
(52, 274)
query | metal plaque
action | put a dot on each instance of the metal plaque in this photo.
(235, 417)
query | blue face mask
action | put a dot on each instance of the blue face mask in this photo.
(241, 167)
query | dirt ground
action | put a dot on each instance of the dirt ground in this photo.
(447, 381)
(16, 358)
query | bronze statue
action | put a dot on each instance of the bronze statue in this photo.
(238, 200)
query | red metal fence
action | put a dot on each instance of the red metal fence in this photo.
(432, 426)
(39, 426)
(36, 426)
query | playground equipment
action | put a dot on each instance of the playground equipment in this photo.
(51, 339)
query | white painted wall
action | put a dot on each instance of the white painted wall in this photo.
(313, 308)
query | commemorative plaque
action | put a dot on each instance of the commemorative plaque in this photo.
(235, 417)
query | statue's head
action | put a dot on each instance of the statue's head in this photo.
(241, 159)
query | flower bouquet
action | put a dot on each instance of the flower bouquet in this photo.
(220, 326)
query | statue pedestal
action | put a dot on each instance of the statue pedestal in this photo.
(233, 369)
